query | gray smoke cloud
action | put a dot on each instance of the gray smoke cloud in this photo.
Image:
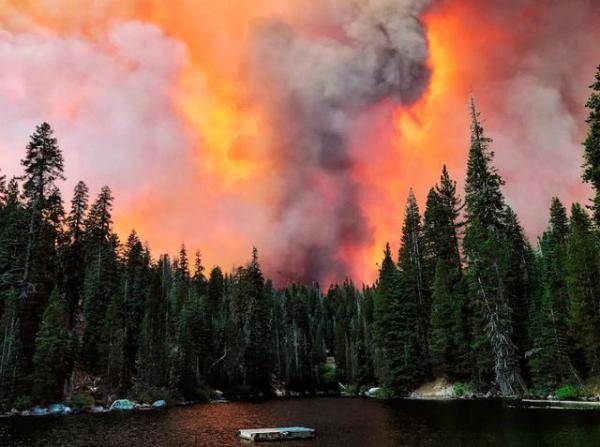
(314, 87)
(534, 98)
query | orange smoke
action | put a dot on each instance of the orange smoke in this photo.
(222, 205)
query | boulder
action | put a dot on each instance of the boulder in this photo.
(372, 392)
(122, 405)
(159, 404)
(98, 409)
(39, 411)
(59, 409)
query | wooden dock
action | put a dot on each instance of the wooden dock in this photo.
(276, 434)
(560, 404)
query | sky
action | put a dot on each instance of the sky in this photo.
(296, 126)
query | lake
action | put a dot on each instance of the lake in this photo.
(345, 422)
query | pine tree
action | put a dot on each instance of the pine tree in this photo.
(54, 351)
(135, 280)
(583, 282)
(257, 356)
(591, 173)
(411, 265)
(401, 364)
(152, 363)
(386, 296)
(2, 190)
(448, 336)
(12, 249)
(519, 281)
(549, 359)
(113, 335)
(74, 253)
(217, 322)
(181, 289)
(199, 280)
(487, 252)
(12, 238)
(191, 343)
(43, 165)
(10, 356)
(101, 281)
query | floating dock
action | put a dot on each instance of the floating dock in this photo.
(560, 404)
(276, 434)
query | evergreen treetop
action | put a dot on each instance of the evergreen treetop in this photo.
(591, 155)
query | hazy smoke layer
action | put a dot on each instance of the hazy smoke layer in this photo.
(536, 113)
(109, 102)
(224, 124)
(313, 87)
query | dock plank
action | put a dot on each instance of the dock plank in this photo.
(276, 434)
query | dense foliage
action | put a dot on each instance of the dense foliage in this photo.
(467, 298)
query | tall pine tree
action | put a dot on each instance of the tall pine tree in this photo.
(591, 155)
(486, 252)
(413, 273)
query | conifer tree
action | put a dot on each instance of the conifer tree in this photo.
(591, 155)
(583, 282)
(12, 237)
(54, 351)
(385, 301)
(113, 337)
(136, 277)
(43, 165)
(214, 314)
(74, 253)
(257, 355)
(192, 343)
(411, 264)
(549, 360)
(101, 281)
(199, 280)
(487, 254)
(181, 289)
(152, 363)
(10, 355)
(448, 336)
(401, 363)
(519, 281)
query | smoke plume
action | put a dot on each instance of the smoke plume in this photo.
(314, 88)
(297, 126)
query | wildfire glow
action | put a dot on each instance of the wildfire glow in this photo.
(214, 188)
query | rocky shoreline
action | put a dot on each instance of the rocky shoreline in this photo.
(438, 390)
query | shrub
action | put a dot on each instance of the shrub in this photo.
(566, 392)
(352, 389)
(82, 401)
(461, 389)
(328, 373)
(384, 393)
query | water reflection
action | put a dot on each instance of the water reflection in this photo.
(339, 422)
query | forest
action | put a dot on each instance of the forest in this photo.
(468, 297)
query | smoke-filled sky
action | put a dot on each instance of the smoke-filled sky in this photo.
(297, 126)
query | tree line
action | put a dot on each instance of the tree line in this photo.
(467, 297)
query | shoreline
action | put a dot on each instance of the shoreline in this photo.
(522, 403)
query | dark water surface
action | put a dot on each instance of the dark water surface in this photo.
(339, 421)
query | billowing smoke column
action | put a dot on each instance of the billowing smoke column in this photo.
(313, 88)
